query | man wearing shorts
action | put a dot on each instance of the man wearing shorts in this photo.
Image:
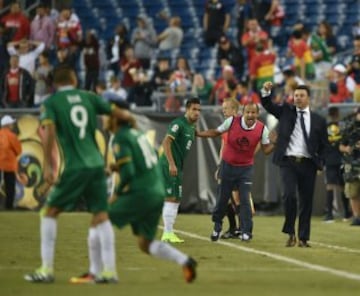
(70, 119)
(177, 143)
(140, 194)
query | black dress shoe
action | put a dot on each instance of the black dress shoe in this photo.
(291, 242)
(303, 244)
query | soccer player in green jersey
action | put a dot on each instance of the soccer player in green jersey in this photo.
(70, 119)
(177, 143)
(140, 194)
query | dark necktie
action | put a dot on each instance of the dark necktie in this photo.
(302, 122)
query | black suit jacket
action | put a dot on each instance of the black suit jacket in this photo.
(286, 114)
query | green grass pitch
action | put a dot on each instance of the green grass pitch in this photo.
(262, 267)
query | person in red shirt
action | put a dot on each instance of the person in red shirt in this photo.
(16, 21)
(252, 38)
(17, 85)
(245, 132)
(10, 149)
(244, 96)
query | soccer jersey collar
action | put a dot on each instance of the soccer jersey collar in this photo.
(66, 87)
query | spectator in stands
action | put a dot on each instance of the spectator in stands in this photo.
(142, 89)
(63, 58)
(16, 22)
(326, 34)
(90, 51)
(43, 28)
(202, 88)
(18, 86)
(172, 36)
(162, 74)
(291, 82)
(228, 51)
(4, 56)
(182, 65)
(221, 90)
(116, 47)
(116, 90)
(262, 67)
(341, 86)
(252, 37)
(243, 11)
(143, 39)
(27, 54)
(69, 35)
(216, 21)
(320, 53)
(301, 52)
(129, 65)
(354, 68)
(43, 79)
(244, 95)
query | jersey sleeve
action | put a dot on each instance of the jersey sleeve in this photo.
(101, 106)
(224, 127)
(265, 136)
(124, 160)
(174, 129)
(47, 114)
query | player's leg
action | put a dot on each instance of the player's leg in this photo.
(171, 206)
(145, 228)
(48, 233)
(103, 233)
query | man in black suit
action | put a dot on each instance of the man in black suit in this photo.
(300, 146)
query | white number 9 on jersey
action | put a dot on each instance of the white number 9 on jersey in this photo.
(79, 118)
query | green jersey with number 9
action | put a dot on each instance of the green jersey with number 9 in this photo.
(74, 113)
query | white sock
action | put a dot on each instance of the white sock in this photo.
(165, 251)
(169, 214)
(107, 245)
(94, 249)
(48, 229)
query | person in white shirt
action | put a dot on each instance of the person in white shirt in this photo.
(27, 55)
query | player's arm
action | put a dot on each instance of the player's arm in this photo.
(124, 165)
(211, 133)
(266, 145)
(167, 142)
(49, 142)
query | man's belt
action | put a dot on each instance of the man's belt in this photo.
(298, 159)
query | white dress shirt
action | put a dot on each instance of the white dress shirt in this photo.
(297, 145)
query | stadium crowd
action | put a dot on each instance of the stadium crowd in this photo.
(140, 65)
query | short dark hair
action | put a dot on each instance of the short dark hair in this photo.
(64, 75)
(192, 101)
(304, 87)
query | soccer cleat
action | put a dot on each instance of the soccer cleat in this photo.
(171, 237)
(229, 234)
(189, 270)
(41, 275)
(106, 277)
(215, 235)
(245, 237)
(86, 278)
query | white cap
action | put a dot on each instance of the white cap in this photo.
(7, 119)
(340, 68)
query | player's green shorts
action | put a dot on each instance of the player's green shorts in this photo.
(142, 210)
(75, 186)
(173, 185)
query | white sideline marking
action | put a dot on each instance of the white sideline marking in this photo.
(337, 272)
(335, 247)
